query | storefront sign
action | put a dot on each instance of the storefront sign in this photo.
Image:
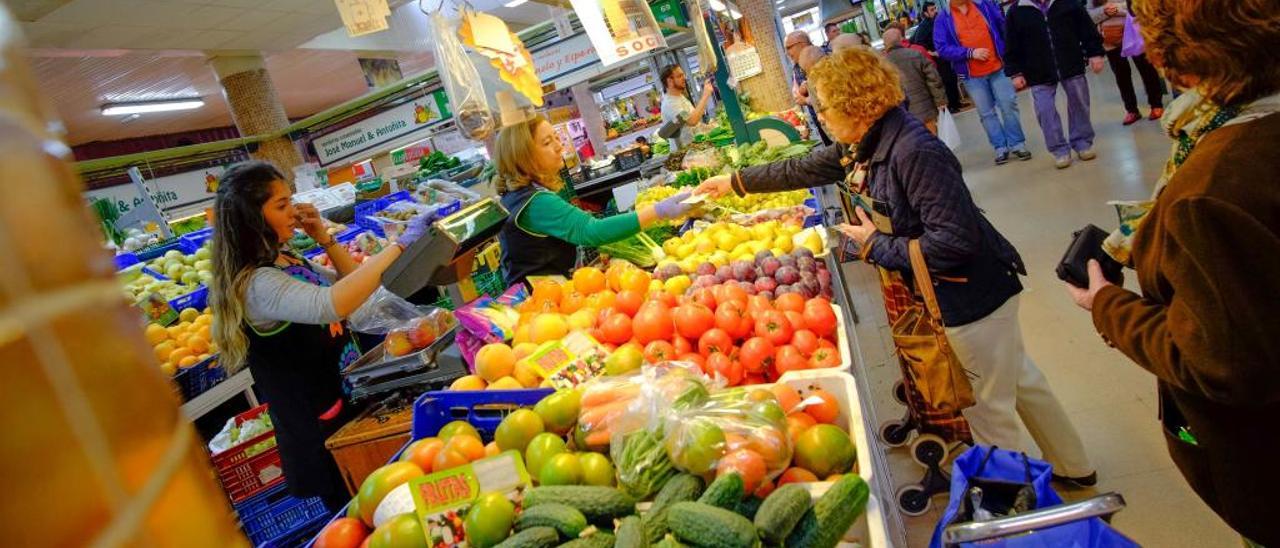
(563, 57)
(620, 30)
(382, 128)
(175, 194)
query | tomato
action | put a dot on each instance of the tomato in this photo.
(746, 463)
(732, 317)
(754, 378)
(616, 328)
(422, 452)
(787, 397)
(696, 359)
(795, 474)
(756, 354)
(342, 533)
(793, 302)
(705, 297)
(819, 317)
(773, 325)
(692, 320)
(681, 345)
(401, 531)
(660, 296)
(628, 302)
(489, 520)
(804, 341)
(659, 351)
(822, 406)
(713, 341)
(725, 365)
(377, 484)
(797, 423)
(635, 279)
(471, 447)
(653, 323)
(731, 292)
(758, 305)
(787, 358)
(825, 343)
(825, 449)
(825, 357)
(765, 489)
(796, 319)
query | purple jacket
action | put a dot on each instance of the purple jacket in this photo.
(947, 41)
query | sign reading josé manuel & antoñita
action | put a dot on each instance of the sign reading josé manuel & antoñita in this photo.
(388, 125)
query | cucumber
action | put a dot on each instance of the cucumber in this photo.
(630, 533)
(725, 492)
(562, 517)
(682, 488)
(600, 505)
(669, 541)
(748, 507)
(781, 511)
(708, 526)
(833, 514)
(533, 537)
(600, 539)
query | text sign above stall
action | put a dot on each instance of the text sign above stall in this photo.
(175, 194)
(564, 56)
(619, 29)
(386, 126)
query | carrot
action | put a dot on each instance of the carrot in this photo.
(600, 415)
(598, 396)
(598, 438)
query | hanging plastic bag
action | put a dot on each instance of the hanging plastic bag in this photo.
(947, 130)
(384, 312)
(1133, 44)
(736, 431)
(461, 81)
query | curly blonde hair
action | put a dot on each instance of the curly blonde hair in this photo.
(858, 83)
(1227, 45)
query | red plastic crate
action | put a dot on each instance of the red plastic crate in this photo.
(243, 476)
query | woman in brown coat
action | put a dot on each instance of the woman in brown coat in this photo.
(1207, 257)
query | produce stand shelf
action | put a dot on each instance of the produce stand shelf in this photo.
(241, 382)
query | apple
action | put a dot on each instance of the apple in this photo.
(397, 343)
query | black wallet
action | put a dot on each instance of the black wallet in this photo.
(1086, 244)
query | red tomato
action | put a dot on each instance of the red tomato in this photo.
(825, 343)
(732, 317)
(747, 463)
(756, 354)
(681, 344)
(659, 351)
(765, 489)
(616, 328)
(822, 406)
(692, 320)
(732, 292)
(342, 533)
(628, 302)
(715, 341)
(695, 359)
(758, 378)
(423, 452)
(797, 423)
(774, 326)
(660, 296)
(787, 358)
(705, 297)
(804, 341)
(725, 365)
(787, 397)
(819, 317)
(795, 474)
(652, 323)
(796, 319)
(825, 357)
(758, 305)
(789, 301)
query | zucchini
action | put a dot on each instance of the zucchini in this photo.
(748, 507)
(833, 514)
(781, 511)
(725, 492)
(630, 533)
(707, 526)
(533, 537)
(682, 488)
(600, 539)
(562, 517)
(600, 505)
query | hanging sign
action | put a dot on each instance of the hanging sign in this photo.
(564, 56)
(362, 17)
(384, 127)
(619, 29)
(173, 194)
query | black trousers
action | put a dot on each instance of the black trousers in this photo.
(950, 83)
(1124, 80)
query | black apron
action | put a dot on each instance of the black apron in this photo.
(527, 254)
(297, 370)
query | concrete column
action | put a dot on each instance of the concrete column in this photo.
(255, 108)
(591, 117)
(770, 90)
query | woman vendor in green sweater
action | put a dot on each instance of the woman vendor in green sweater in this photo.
(542, 235)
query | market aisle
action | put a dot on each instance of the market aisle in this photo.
(1110, 399)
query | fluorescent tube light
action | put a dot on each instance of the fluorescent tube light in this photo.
(120, 109)
(514, 3)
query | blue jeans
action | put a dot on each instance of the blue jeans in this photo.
(991, 93)
(1077, 91)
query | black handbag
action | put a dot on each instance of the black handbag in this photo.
(1086, 244)
(989, 498)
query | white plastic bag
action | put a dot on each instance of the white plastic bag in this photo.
(947, 130)
(461, 81)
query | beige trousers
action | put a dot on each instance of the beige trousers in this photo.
(1010, 387)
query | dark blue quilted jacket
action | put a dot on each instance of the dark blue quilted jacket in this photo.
(974, 268)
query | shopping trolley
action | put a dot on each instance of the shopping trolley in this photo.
(1083, 524)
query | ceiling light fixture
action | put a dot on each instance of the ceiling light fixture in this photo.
(514, 3)
(717, 5)
(143, 107)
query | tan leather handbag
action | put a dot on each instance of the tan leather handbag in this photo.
(922, 344)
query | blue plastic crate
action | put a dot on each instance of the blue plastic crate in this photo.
(126, 260)
(197, 299)
(483, 409)
(274, 513)
(813, 220)
(199, 378)
(196, 239)
(299, 535)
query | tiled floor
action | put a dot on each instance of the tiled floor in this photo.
(1110, 399)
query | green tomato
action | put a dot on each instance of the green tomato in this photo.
(540, 450)
(562, 469)
(489, 520)
(402, 531)
(596, 469)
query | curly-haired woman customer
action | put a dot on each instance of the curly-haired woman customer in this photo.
(1207, 256)
(916, 181)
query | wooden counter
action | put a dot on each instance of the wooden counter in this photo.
(370, 440)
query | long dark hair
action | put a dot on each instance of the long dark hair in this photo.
(242, 242)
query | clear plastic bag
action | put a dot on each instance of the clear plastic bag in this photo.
(461, 81)
(740, 430)
(385, 312)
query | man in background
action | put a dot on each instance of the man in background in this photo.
(796, 43)
(832, 30)
(676, 106)
(920, 79)
(924, 37)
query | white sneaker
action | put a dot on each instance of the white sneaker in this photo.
(1062, 162)
(1087, 154)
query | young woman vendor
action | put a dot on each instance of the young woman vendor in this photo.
(542, 235)
(283, 317)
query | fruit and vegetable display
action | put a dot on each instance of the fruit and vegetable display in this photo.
(762, 202)
(760, 153)
(720, 244)
(767, 275)
(185, 343)
(693, 176)
(190, 270)
(437, 161)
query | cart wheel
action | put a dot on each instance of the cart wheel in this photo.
(912, 500)
(894, 433)
(928, 450)
(900, 392)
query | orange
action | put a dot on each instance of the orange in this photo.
(588, 280)
(174, 331)
(163, 350)
(204, 357)
(188, 361)
(547, 290)
(470, 446)
(571, 302)
(495, 361)
(522, 334)
(613, 275)
(505, 383)
(205, 332)
(525, 374)
(179, 353)
(636, 280)
(156, 334)
(197, 344)
(524, 349)
(546, 327)
(468, 382)
(491, 450)
(449, 457)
